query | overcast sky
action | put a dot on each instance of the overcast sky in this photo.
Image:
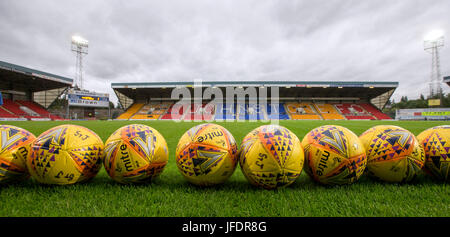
(144, 41)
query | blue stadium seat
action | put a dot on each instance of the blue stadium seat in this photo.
(245, 114)
(225, 112)
(277, 111)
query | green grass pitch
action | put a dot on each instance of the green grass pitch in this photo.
(172, 195)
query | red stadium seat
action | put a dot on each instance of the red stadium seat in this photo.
(38, 109)
(6, 114)
(354, 111)
(175, 112)
(361, 117)
(200, 112)
(375, 112)
(13, 107)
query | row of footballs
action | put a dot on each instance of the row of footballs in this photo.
(270, 156)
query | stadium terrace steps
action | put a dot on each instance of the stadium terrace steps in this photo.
(13, 107)
(328, 112)
(359, 117)
(41, 112)
(250, 112)
(131, 111)
(200, 112)
(225, 112)
(332, 116)
(302, 110)
(277, 111)
(151, 111)
(145, 116)
(33, 106)
(306, 116)
(4, 113)
(175, 112)
(354, 111)
(29, 111)
(25, 109)
(375, 112)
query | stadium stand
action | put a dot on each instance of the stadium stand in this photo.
(303, 110)
(354, 111)
(250, 112)
(297, 100)
(151, 111)
(375, 112)
(14, 108)
(277, 111)
(284, 111)
(6, 114)
(131, 111)
(175, 112)
(225, 112)
(27, 93)
(39, 110)
(25, 109)
(328, 111)
(200, 112)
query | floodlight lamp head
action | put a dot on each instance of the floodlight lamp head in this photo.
(79, 41)
(433, 40)
(434, 36)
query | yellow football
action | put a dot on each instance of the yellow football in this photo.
(206, 154)
(436, 144)
(135, 153)
(15, 144)
(65, 154)
(271, 156)
(393, 153)
(333, 155)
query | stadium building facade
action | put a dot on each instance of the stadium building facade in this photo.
(83, 104)
(27, 94)
(295, 100)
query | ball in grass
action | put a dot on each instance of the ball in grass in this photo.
(65, 154)
(333, 155)
(271, 157)
(15, 144)
(436, 144)
(206, 154)
(393, 154)
(135, 153)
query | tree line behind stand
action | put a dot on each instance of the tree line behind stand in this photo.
(421, 102)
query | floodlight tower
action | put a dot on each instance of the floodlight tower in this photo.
(80, 47)
(432, 42)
